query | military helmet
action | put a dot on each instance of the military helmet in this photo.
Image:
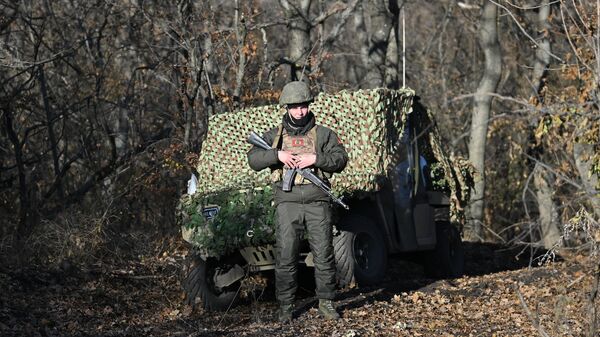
(295, 92)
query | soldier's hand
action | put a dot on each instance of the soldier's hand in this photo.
(287, 158)
(306, 160)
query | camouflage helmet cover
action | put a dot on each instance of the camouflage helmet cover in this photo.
(294, 93)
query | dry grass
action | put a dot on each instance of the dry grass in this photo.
(70, 236)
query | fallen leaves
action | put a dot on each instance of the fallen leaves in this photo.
(115, 300)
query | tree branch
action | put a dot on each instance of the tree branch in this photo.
(525, 32)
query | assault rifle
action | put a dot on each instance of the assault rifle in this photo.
(290, 174)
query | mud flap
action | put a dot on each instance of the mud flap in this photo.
(424, 226)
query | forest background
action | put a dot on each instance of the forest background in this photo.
(104, 104)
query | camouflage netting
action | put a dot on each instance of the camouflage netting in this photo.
(370, 124)
(451, 174)
(364, 120)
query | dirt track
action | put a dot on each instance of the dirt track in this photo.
(140, 296)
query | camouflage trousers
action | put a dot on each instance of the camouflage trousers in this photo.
(292, 219)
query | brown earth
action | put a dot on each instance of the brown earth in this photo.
(138, 294)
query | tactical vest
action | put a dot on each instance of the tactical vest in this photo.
(297, 145)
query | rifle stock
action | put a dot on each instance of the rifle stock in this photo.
(257, 140)
(288, 179)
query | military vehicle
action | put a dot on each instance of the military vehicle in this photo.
(405, 195)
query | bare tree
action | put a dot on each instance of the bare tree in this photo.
(87, 88)
(328, 37)
(488, 39)
(64, 105)
(585, 152)
(381, 22)
(241, 34)
(297, 13)
(543, 178)
(189, 70)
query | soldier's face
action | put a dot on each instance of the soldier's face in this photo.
(297, 111)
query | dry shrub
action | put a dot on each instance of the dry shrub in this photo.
(72, 236)
(580, 234)
(583, 231)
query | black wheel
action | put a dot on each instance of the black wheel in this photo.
(199, 283)
(344, 263)
(360, 252)
(448, 258)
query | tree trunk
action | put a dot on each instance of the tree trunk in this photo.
(297, 13)
(582, 153)
(488, 39)
(380, 27)
(50, 126)
(542, 56)
(394, 52)
(122, 131)
(24, 199)
(362, 37)
(191, 56)
(208, 100)
(329, 36)
(241, 32)
(548, 214)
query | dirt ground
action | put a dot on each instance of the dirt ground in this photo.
(138, 294)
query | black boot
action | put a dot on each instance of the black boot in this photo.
(285, 312)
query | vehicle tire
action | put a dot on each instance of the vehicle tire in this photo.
(198, 283)
(360, 252)
(344, 263)
(447, 260)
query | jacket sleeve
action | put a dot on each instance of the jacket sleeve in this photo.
(331, 155)
(259, 159)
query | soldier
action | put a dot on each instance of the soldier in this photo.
(299, 143)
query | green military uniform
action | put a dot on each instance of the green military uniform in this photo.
(305, 206)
